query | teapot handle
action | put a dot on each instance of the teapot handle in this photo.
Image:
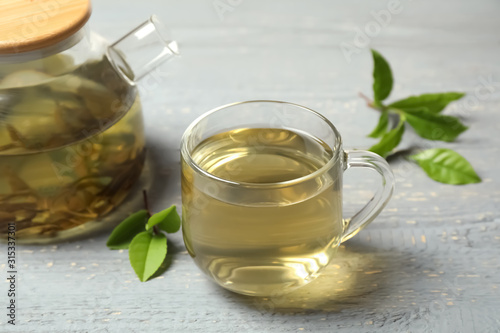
(142, 50)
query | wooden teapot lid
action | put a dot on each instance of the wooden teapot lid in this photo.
(28, 25)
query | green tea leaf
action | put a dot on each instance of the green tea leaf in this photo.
(168, 220)
(434, 126)
(381, 129)
(435, 103)
(446, 166)
(389, 141)
(382, 77)
(146, 253)
(123, 234)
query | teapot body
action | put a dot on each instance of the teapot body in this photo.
(71, 138)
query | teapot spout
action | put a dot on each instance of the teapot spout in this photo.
(143, 49)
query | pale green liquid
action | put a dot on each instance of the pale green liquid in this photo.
(268, 240)
(71, 146)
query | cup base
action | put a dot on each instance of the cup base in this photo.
(263, 280)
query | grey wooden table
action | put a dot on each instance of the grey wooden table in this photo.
(429, 263)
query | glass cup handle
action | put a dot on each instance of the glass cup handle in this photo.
(366, 159)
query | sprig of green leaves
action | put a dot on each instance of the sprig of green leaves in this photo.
(142, 234)
(423, 114)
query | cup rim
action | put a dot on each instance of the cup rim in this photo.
(337, 148)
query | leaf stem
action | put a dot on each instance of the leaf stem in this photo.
(156, 231)
(369, 102)
(146, 203)
(373, 104)
(399, 112)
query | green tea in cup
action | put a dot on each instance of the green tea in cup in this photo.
(262, 195)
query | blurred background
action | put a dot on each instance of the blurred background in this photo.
(317, 54)
(314, 53)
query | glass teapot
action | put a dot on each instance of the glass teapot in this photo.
(71, 128)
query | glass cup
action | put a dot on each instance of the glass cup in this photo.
(262, 195)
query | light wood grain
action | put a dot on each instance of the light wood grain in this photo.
(27, 25)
